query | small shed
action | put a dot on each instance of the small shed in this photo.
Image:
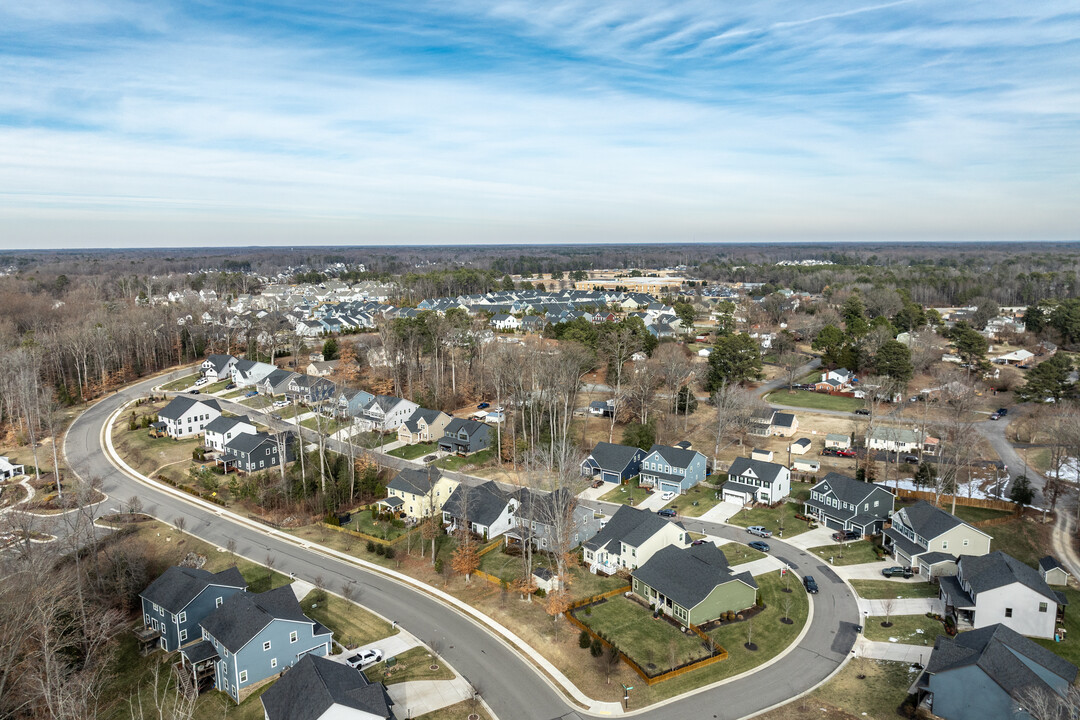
(800, 446)
(766, 455)
(545, 579)
(1053, 571)
(806, 465)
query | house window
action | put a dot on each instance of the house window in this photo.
(1008, 612)
(266, 645)
(965, 543)
(217, 603)
(1042, 607)
(875, 503)
(293, 637)
(182, 618)
(273, 662)
(944, 544)
(183, 634)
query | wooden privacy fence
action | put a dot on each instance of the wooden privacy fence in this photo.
(719, 653)
(947, 499)
(371, 538)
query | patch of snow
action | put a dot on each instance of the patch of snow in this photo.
(1070, 469)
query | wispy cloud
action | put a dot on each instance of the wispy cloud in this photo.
(518, 120)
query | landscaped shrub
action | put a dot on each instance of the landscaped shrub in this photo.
(540, 593)
(332, 519)
(389, 553)
(588, 610)
(584, 640)
(596, 648)
(439, 566)
(380, 549)
(371, 546)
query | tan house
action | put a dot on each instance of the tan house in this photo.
(423, 426)
(321, 368)
(929, 540)
(418, 493)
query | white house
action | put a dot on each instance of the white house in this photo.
(630, 538)
(385, 413)
(220, 431)
(751, 480)
(899, 440)
(505, 323)
(186, 417)
(217, 367)
(249, 372)
(1016, 357)
(9, 469)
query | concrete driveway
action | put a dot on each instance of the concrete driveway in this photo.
(722, 512)
(892, 651)
(812, 538)
(653, 502)
(872, 571)
(904, 606)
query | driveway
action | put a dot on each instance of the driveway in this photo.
(412, 699)
(591, 493)
(721, 512)
(904, 606)
(872, 571)
(893, 651)
(652, 503)
(812, 538)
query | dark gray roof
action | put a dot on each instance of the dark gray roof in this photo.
(629, 525)
(250, 442)
(928, 520)
(178, 586)
(676, 457)
(784, 419)
(847, 488)
(428, 416)
(277, 377)
(612, 457)
(181, 404)
(803, 442)
(243, 615)
(224, 424)
(933, 558)
(200, 651)
(908, 547)
(688, 575)
(987, 572)
(315, 683)
(739, 487)
(219, 361)
(416, 481)
(1049, 562)
(471, 427)
(392, 502)
(485, 502)
(761, 469)
(995, 650)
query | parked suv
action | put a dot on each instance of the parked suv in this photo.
(897, 571)
(759, 530)
(846, 536)
(810, 584)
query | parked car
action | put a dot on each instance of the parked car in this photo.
(483, 406)
(1003, 411)
(201, 381)
(862, 411)
(911, 459)
(846, 536)
(897, 571)
(230, 386)
(598, 483)
(667, 495)
(846, 452)
(362, 659)
(759, 530)
(810, 584)
(195, 391)
(699, 542)
(758, 545)
(995, 416)
(252, 393)
(831, 452)
(280, 403)
(666, 512)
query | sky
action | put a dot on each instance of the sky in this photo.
(198, 123)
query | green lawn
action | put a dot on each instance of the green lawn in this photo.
(976, 514)
(329, 425)
(412, 452)
(181, 384)
(352, 625)
(905, 629)
(800, 491)
(772, 519)
(882, 589)
(413, 664)
(814, 401)
(1070, 647)
(454, 462)
(629, 494)
(852, 553)
(215, 387)
(737, 553)
(237, 393)
(766, 630)
(696, 502)
(1025, 539)
(361, 522)
(456, 712)
(651, 643)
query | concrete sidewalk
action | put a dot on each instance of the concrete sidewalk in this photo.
(905, 606)
(892, 651)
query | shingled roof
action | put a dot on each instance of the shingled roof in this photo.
(987, 572)
(612, 457)
(243, 615)
(927, 520)
(178, 586)
(688, 575)
(629, 525)
(315, 684)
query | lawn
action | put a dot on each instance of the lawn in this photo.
(737, 553)
(771, 519)
(181, 384)
(361, 522)
(629, 494)
(147, 454)
(656, 645)
(457, 712)
(1070, 647)
(412, 452)
(766, 630)
(329, 425)
(864, 688)
(237, 393)
(457, 463)
(814, 401)
(413, 664)
(215, 387)
(883, 589)
(852, 553)
(1026, 539)
(583, 584)
(800, 491)
(352, 625)
(907, 629)
(696, 502)
(977, 514)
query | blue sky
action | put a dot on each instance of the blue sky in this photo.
(201, 123)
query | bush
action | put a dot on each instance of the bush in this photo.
(439, 565)
(596, 648)
(389, 553)
(588, 610)
(370, 546)
(380, 549)
(332, 519)
(584, 640)
(540, 593)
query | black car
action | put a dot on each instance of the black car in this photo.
(897, 571)
(846, 536)
(911, 459)
(230, 386)
(810, 584)
(1003, 411)
(666, 512)
(196, 391)
(862, 411)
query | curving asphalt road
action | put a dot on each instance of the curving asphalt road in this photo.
(509, 684)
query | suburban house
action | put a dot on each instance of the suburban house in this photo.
(181, 597)
(1016, 357)
(249, 372)
(320, 689)
(533, 324)
(998, 588)
(257, 636)
(423, 426)
(837, 441)
(217, 367)
(672, 469)
(251, 452)
(630, 538)
(928, 540)
(694, 585)
(418, 493)
(276, 383)
(613, 463)
(844, 503)
(751, 481)
(540, 514)
(322, 369)
(990, 674)
(464, 437)
(768, 422)
(835, 380)
(186, 417)
(484, 509)
(900, 440)
(385, 413)
(1053, 572)
(351, 402)
(9, 469)
(505, 323)
(222, 429)
(308, 390)
(602, 408)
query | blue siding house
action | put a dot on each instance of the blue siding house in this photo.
(351, 402)
(181, 597)
(672, 469)
(257, 636)
(613, 463)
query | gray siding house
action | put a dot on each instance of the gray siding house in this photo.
(258, 636)
(537, 519)
(844, 503)
(928, 540)
(464, 437)
(250, 453)
(180, 598)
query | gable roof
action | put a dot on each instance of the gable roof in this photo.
(988, 572)
(177, 586)
(688, 575)
(631, 526)
(676, 457)
(218, 362)
(609, 456)
(428, 416)
(783, 419)
(244, 615)
(222, 424)
(470, 426)
(1049, 562)
(928, 520)
(250, 442)
(847, 488)
(181, 404)
(315, 684)
(415, 480)
(761, 469)
(485, 502)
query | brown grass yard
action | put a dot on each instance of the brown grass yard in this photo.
(147, 454)
(352, 625)
(904, 629)
(771, 518)
(852, 553)
(738, 553)
(460, 711)
(413, 664)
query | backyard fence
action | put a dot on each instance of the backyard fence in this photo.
(947, 499)
(369, 538)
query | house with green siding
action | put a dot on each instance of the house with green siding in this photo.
(693, 585)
